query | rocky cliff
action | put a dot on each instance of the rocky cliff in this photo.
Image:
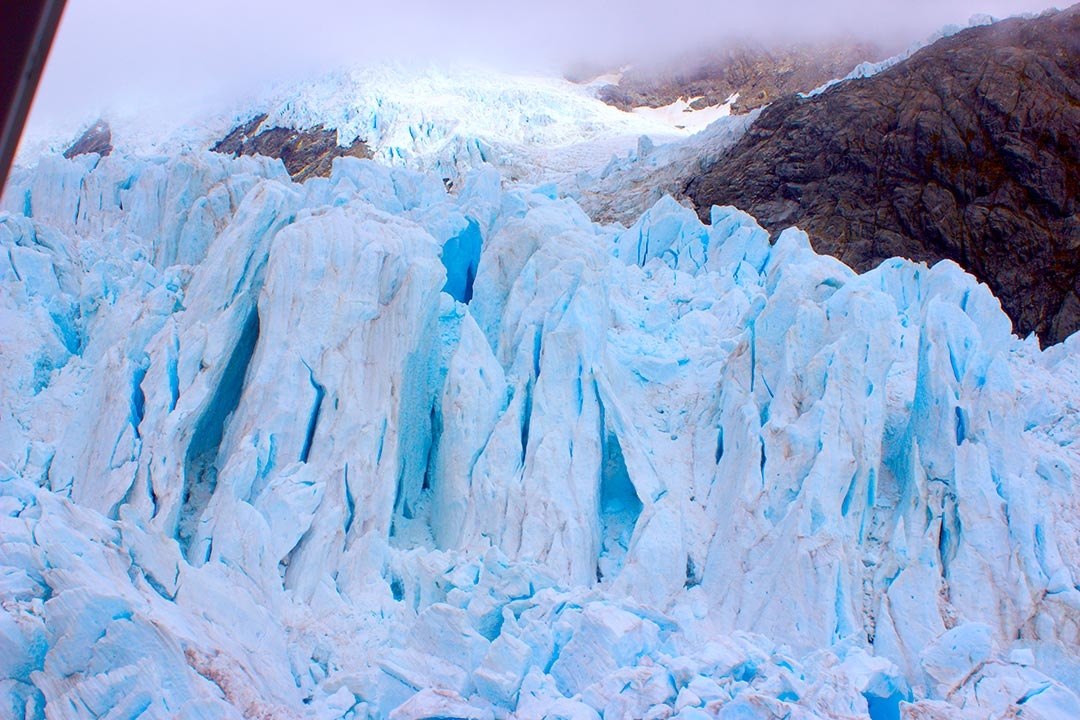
(969, 150)
(758, 74)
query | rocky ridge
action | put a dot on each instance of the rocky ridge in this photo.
(757, 74)
(97, 139)
(969, 151)
(306, 153)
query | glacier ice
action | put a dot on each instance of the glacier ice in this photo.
(365, 447)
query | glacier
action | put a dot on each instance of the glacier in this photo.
(370, 447)
(450, 120)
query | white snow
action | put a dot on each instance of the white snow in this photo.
(260, 458)
(427, 117)
(681, 116)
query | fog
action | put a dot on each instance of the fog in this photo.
(124, 54)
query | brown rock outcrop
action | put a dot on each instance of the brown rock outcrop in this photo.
(969, 150)
(306, 153)
(96, 139)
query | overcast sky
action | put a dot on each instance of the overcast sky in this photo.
(121, 53)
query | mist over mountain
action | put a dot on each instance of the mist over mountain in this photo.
(119, 55)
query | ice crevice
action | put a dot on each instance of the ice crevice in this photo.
(201, 457)
(313, 420)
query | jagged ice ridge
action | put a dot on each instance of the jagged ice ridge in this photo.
(366, 448)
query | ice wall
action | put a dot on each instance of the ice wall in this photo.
(363, 447)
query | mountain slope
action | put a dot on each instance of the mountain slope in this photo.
(757, 75)
(969, 150)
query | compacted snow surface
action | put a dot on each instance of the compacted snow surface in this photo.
(364, 447)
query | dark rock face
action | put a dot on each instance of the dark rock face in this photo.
(969, 150)
(758, 74)
(306, 153)
(96, 139)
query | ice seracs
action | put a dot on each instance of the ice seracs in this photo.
(364, 447)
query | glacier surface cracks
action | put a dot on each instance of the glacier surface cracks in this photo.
(364, 447)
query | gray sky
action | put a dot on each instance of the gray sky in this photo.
(162, 53)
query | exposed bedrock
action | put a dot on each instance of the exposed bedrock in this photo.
(968, 151)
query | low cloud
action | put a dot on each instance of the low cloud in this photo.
(112, 53)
